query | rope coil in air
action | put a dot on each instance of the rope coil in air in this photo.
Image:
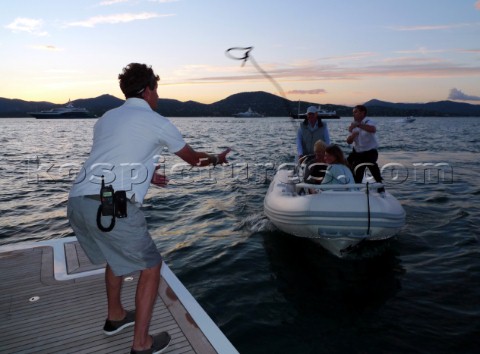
(247, 56)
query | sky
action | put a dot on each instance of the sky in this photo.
(328, 52)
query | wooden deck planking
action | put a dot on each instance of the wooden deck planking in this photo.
(69, 315)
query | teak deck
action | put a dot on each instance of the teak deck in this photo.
(41, 314)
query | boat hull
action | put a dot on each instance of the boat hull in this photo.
(241, 115)
(248, 114)
(320, 115)
(67, 112)
(62, 116)
(336, 219)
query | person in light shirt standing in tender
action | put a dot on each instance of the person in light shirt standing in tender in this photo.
(364, 153)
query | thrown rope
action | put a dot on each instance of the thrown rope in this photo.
(368, 209)
(247, 56)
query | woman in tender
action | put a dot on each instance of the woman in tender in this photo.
(338, 171)
(315, 165)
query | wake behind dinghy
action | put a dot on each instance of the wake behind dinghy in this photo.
(338, 217)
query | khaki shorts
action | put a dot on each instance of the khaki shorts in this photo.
(127, 248)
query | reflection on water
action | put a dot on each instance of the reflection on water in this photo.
(348, 286)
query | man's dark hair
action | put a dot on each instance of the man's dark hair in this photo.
(135, 78)
(361, 108)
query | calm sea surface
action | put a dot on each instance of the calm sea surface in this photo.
(270, 292)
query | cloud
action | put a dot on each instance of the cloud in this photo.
(460, 96)
(307, 92)
(115, 19)
(470, 50)
(477, 5)
(114, 2)
(409, 68)
(420, 50)
(29, 25)
(351, 57)
(433, 27)
(50, 48)
(111, 2)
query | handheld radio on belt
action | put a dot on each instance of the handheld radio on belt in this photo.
(112, 204)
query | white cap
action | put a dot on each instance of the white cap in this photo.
(312, 109)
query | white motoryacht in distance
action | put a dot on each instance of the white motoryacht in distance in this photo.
(69, 111)
(248, 114)
(322, 113)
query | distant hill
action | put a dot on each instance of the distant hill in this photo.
(262, 102)
(99, 104)
(20, 108)
(436, 109)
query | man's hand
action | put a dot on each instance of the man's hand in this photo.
(159, 179)
(222, 157)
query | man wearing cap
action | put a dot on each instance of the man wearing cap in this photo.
(311, 130)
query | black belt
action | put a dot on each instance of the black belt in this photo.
(364, 152)
(97, 197)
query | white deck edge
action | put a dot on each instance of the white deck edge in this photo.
(211, 331)
(215, 336)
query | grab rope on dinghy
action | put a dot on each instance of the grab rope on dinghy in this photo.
(368, 209)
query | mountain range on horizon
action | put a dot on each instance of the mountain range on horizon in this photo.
(268, 104)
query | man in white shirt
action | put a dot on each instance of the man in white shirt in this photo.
(364, 153)
(127, 143)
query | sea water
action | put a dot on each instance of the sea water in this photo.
(270, 292)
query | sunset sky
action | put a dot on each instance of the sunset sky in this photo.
(339, 52)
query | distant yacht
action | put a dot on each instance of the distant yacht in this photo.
(410, 119)
(322, 113)
(248, 114)
(69, 111)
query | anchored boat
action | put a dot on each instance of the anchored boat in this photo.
(322, 113)
(69, 111)
(338, 217)
(248, 114)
